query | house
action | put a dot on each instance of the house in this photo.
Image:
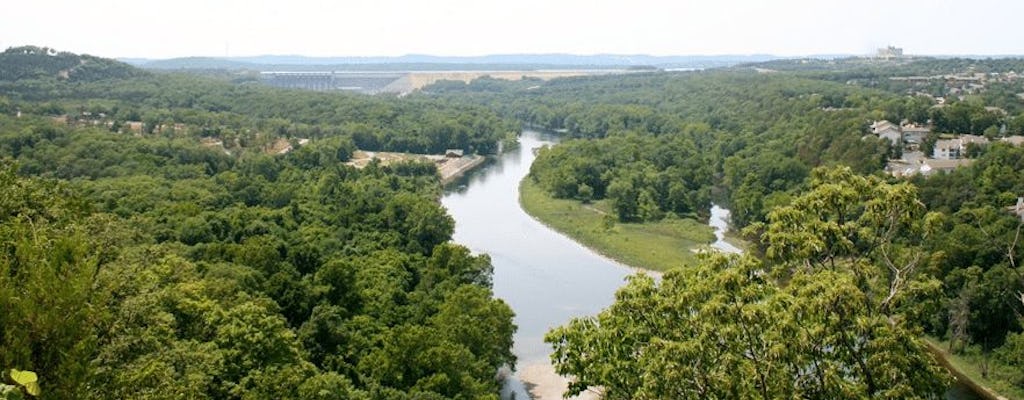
(879, 126)
(971, 139)
(914, 134)
(930, 167)
(946, 149)
(901, 168)
(134, 126)
(887, 130)
(453, 153)
(953, 149)
(904, 168)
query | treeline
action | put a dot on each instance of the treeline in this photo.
(148, 266)
(757, 134)
(645, 177)
(245, 115)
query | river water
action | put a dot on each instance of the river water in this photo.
(544, 276)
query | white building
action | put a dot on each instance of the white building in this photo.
(953, 149)
(946, 149)
(887, 130)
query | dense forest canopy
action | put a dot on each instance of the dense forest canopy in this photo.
(140, 262)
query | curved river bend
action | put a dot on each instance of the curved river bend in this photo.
(544, 276)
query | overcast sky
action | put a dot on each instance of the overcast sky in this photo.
(162, 29)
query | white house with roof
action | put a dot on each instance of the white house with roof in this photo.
(953, 149)
(930, 167)
(887, 130)
(948, 149)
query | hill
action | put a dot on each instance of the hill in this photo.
(31, 62)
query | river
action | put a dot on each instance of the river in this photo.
(544, 276)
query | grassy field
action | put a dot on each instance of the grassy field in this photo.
(970, 366)
(656, 246)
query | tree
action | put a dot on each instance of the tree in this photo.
(861, 224)
(623, 195)
(724, 329)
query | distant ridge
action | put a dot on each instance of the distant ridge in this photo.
(428, 62)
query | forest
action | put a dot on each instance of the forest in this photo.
(157, 243)
(143, 264)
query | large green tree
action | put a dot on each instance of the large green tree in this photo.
(724, 329)
(830, 312)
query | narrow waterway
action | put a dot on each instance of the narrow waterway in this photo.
(544, 276)
(720, 222)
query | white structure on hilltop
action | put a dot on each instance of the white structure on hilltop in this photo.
(889, 52)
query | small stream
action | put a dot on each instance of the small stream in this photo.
(720, 221)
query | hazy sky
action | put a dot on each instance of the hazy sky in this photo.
(160, 29)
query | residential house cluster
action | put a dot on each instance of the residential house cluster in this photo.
(86, 118)
(958, 85)
(955, 149)
(908, 136)
(947, 154)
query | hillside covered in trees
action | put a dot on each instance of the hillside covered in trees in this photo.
(139, 261)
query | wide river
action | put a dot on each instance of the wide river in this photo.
(544, 276)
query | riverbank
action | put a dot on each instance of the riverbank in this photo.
(966, 371)
(456, 167)
(450, 168)
(656, 246)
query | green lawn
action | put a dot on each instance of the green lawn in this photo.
(656, 245)
(970, 365)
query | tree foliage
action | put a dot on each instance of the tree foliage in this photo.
(724, 329)
(146, 264)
